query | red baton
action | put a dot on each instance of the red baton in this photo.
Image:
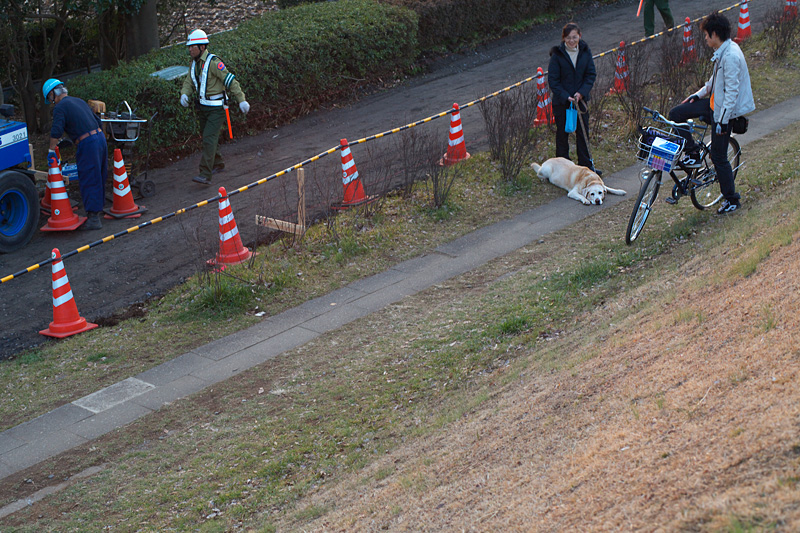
(640, 7)
(228, 116)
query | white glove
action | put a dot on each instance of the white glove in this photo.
(244, 107)
(184, 100)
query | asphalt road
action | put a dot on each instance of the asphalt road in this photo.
(130, 269)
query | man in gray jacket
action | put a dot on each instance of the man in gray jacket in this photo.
(727, 95)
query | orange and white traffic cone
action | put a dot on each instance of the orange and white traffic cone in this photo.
(456, 147)
(790, 10)
(66, 319)
(744, 31)
(45, 203)
(689, 54)
(231, 249)
(353, 193)
(620, 72)
(544, 107)
(62, 218)
(123, 206)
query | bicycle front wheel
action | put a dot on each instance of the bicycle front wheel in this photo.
(644, 204)
(707, 193)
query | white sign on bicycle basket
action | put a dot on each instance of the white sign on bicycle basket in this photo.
(663, 154)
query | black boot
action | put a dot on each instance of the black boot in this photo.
(92, 221)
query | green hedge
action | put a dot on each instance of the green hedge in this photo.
(283, 59)
(450, 23)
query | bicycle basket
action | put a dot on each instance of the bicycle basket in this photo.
(659, 149)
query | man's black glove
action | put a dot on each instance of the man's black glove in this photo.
(722, 129)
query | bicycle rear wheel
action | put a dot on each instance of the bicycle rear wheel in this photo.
(644, 203)
(707, 192)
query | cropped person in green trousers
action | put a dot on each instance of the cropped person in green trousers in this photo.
(209, 81)
(650, 16)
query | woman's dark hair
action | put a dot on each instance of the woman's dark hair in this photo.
(717, 23)
(568, 27)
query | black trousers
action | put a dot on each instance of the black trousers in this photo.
(701, 108)
(562, 137)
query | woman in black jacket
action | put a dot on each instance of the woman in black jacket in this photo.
(571, 75)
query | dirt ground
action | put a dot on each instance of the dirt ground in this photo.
(108, 278)
(629, 440)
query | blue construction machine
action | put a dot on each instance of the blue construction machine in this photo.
(19, 197)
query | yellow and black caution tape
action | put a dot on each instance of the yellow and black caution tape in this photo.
(323, 154)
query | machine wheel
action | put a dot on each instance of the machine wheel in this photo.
(19, 210)
(147, 188)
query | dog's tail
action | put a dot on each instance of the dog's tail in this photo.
(536, 168)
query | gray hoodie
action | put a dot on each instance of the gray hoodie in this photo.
(733, 96)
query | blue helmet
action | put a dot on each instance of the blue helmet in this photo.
(48, 86)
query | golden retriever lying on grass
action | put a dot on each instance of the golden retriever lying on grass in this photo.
(581, 183)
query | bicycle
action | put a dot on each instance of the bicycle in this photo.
(700, 184)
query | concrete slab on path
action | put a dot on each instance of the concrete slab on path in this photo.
(90, 417)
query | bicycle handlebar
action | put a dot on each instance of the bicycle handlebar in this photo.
(658, 117)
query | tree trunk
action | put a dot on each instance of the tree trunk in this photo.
(110, 44)
(141, 30)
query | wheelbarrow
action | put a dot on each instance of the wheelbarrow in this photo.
(124, 129)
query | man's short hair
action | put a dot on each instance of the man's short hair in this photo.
(717, 23)
(58, 90)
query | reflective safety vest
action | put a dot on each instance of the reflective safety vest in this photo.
(215, 100)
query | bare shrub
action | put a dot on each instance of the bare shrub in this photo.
(380, 170)
(600, 98)
(324, 187)
(669, 80)
(422, 153)
(508, 119)
(440, 181)
(414, 162)
(781, 32)
(636, 96)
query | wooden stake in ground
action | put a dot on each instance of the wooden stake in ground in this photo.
(283, 225)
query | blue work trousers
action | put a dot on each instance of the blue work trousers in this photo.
(92, 160)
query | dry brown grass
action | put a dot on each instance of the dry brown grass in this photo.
(685, 419)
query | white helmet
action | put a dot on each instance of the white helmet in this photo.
(197, 37)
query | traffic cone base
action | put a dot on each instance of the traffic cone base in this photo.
(108, 215)
(231, 249)
(123, 205)
(66, 319)
(62, 216)
(67, 329)
(341, 206)
(75, 223)
(446, 160)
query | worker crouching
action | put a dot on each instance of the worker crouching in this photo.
(74, 116)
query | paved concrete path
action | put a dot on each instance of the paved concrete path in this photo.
(94, 415)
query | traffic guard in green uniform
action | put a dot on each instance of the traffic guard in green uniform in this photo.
(210, 82)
